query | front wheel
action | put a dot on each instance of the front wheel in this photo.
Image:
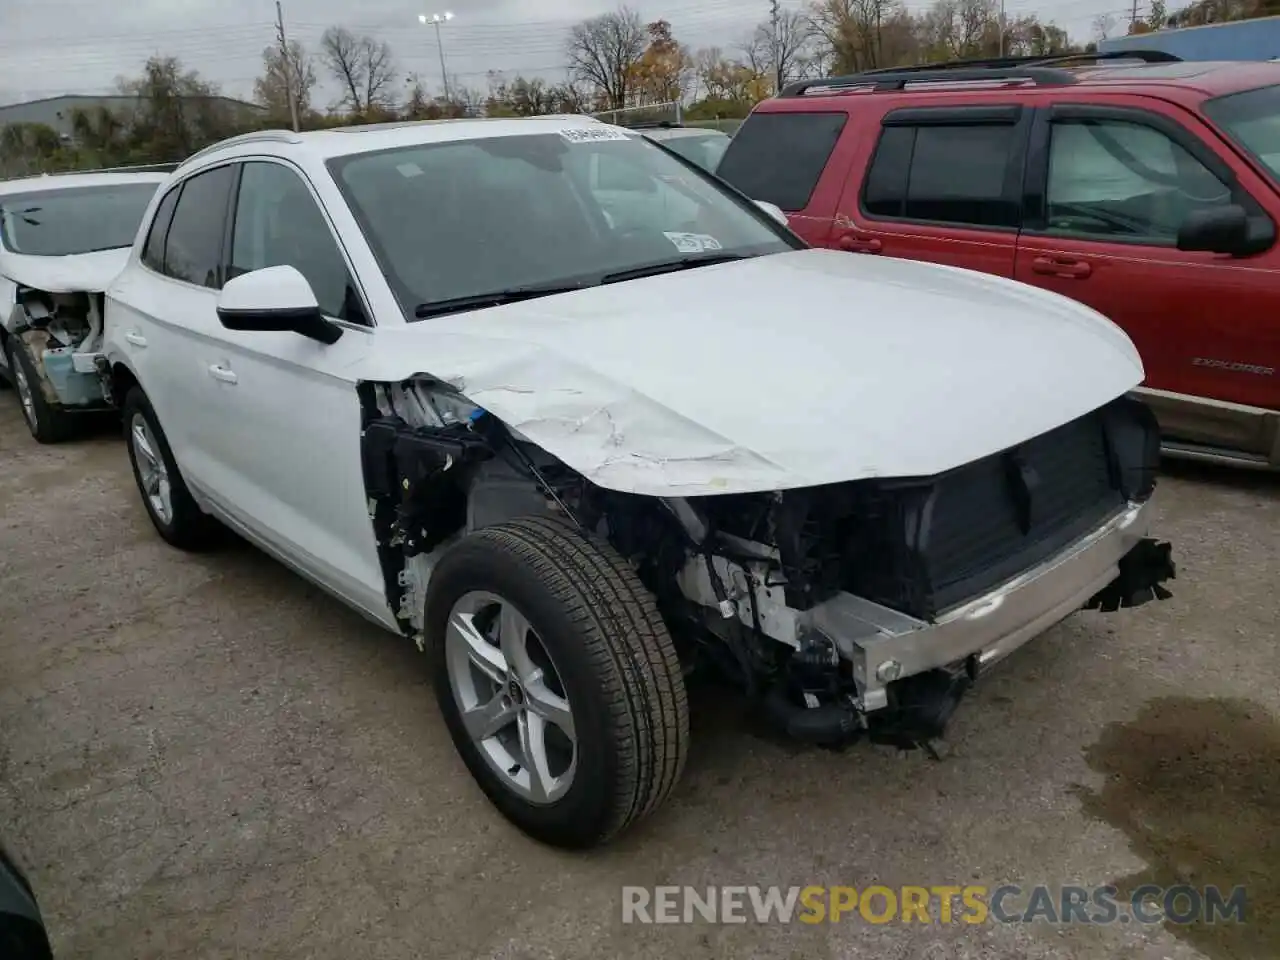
(47, 422)
(557, 679)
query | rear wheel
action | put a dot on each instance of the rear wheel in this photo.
(174, 513)
(557, 679)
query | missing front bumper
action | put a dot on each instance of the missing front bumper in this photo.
(1116, 565)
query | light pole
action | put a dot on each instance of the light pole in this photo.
(436, 19)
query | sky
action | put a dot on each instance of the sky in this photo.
(82, 46)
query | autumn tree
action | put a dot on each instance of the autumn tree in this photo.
(664, 69)
(282, 73)
(603, 53)
(363, 68)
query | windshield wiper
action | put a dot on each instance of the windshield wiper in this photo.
(670, 266)
(494, 298)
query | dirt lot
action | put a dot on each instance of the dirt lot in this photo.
(206, 757)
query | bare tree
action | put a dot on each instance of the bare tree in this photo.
(362, 66)
(604, 52)
(852, 31)
(379, 72)
(1103, 24)
(779, 49)
(272, 88)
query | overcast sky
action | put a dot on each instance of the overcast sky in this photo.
(81, 46)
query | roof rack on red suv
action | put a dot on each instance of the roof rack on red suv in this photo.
(1048, 70)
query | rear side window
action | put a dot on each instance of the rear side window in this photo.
(153, 249)
(778, 157)
(193, 248)
(944, 174)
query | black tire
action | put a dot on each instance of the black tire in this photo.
(47, 423)
(188, 527)
(615, 659)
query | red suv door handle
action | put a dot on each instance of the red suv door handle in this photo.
(1055, 267)
(856, 244)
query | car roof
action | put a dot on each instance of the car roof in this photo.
(369, 138)
(1205, 78)
(70, 181)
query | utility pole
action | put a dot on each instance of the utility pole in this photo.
(286, 65)
(1002, 27)
(774, 16)
(1133, 18)
(435, 20)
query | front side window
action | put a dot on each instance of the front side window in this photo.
(1252, 120)
(944, 174)
(76, 220)
(277, 223)
(193, 246)
(1120, 180)
(458, 220)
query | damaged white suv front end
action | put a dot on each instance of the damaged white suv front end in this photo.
(578, 446)
(63, 239)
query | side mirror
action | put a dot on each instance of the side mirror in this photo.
(1216, 230)
(773, 210)
(274, 298)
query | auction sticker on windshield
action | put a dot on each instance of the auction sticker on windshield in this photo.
(693, 242)
(592, 134)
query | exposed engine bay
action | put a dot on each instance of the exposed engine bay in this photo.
(62, 336)
(794, 594)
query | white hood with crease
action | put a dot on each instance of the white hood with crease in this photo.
(793, 370)
(79, 273)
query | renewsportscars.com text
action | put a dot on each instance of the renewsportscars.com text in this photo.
(971, 904)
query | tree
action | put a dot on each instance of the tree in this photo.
(603, 53)
(779, 48)
(664, 69)
(280, 73)
(1103, 25)
(177, 112)
(853, 30)
(363, 67)
(31, 148)
(418, 104)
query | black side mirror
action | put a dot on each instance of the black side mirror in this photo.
(274, 298)
(1217, 230)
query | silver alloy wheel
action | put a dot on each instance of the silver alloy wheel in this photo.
(152, 474)
(24, 393)
(510, 697)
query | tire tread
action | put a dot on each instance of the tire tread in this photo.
(630, 648)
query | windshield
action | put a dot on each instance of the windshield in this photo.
(705, 151)
(55, 223)
(457, 221)
(1252, 120)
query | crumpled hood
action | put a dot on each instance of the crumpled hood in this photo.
(792, 370)
(81, 273)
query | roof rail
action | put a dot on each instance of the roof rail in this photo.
(268, 136)
(897, 79)
(1037, 69)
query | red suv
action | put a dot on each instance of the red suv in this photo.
(1147, 188)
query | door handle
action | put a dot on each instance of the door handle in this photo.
(219, 372)
(1052, 266)
(856, 244)
(137, 339)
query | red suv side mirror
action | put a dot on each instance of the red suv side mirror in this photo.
(1217, 230)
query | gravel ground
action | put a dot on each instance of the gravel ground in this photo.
(204, 756)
